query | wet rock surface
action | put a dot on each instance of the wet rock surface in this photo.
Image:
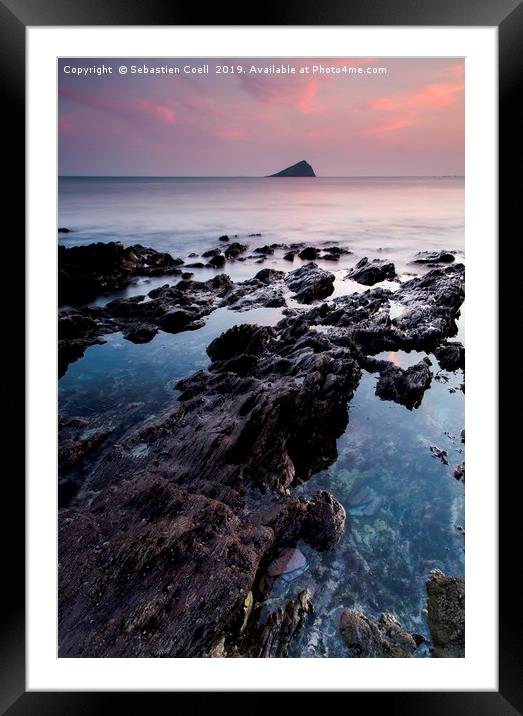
(175, 556)
(371, 272)
(310, 283)
(434, 257)
(384, 638)
(446, 615)
(85, 272)
(405, 387)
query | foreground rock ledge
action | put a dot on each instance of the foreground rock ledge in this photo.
(174, 525)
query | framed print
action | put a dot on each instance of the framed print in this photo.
(249, 249)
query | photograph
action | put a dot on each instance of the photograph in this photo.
(261, 357)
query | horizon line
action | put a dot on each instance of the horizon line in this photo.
(257, 176)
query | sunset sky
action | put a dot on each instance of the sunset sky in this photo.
(409, 121)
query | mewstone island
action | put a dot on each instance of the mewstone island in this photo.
(261, 409)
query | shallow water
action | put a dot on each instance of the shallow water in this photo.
(407, 526)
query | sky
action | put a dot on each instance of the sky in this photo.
(407, 121)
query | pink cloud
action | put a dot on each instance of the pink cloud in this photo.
(168, 115)
(435, 94)
(133, 111)
(306, 100)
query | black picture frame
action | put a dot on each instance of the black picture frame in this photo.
(15, 17)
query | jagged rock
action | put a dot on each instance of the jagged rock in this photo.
(433, 257)
(450, 356)
(406, 387)
(85, 272)
(370, 272)
(76, 439)
(439, 453)
(446, 614)
(174, 525)
(273, 638)
(245, 338)
(383, 639)
(310, 283)
(289, 256)
(234, 250)
(325, 521)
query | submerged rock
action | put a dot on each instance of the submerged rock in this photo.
(446, 615)
(287, 561)
(273, 638)
(383, 639)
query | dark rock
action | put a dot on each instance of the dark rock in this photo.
(273, 638)
(440, 454)
(268, 276)
(211, 252)
(459, 472)
(176, 320)
(446, 615)
(309, 253)
(406, 387)
(289, 256)
(167, 554)
(383, 639)
(325, 521)
(450, 356)
(301, 169)
(63, 230)
(197, 264)
(142, 333)
(310, 283)
(370, 272)
(223, 238)
(234, 250)
(85, 272)
(265, 250)
(433, 257)
(217, 261)
(245, 338)
(76, 440)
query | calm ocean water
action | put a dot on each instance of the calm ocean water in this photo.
(416, 523)
(397, 215)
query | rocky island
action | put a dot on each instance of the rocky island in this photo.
(300, 169)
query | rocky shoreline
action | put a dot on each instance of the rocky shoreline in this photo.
(186, 521)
